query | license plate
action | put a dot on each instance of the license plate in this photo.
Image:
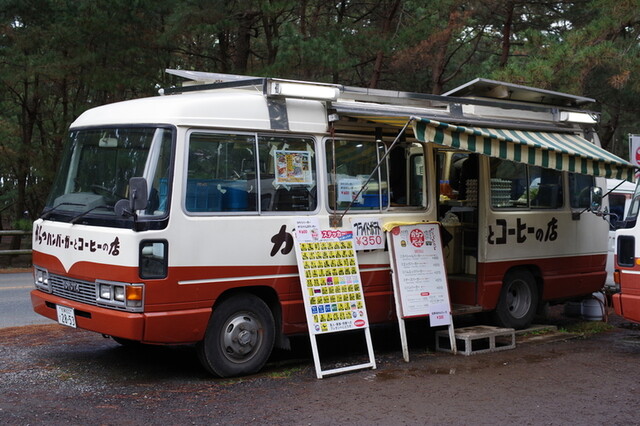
(66, 316)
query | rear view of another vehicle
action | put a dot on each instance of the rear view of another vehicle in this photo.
(627, 264)
(620, 194)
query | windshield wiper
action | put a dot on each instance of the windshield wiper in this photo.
(86, 212)
(48, 213)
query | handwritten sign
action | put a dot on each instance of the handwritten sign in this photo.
(348, 188)
(367, 234)
(422, 280)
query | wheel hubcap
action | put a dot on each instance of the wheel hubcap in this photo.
(242, 337)
(518, 298)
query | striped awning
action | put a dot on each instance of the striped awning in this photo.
(561, 151)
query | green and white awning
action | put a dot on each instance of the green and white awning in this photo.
(561, 151)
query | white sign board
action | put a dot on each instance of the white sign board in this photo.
(348, 188)
(422, 279)
(419, 277)
(367, 234)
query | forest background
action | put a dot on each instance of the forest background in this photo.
(61, 57)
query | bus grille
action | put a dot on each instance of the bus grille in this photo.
(79, 291)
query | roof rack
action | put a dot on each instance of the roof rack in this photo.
(366, 101)
(477, 92)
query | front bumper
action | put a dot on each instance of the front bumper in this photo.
(168, 327)
(627, 306)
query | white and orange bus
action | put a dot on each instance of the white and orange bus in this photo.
(171, 218)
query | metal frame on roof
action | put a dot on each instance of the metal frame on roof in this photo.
(452, 100)
(515, 92)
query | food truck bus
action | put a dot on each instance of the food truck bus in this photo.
(171, 219)
(626, 302)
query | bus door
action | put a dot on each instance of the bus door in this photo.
(458, 178)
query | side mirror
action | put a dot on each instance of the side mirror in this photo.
(138, 194)
(595, 203)
(138, 198)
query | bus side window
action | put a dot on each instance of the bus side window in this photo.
(545, 188)
(517, 185)
(579, 190)
(287, 174)
(509, 184)
(355, 161)
(221, 174)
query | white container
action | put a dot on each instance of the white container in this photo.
(593, 309)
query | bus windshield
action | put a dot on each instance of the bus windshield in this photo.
(632, 215)
(98, 163)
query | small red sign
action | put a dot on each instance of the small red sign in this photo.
(417, 238)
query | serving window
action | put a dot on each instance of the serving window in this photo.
(517, 185)
(354, 183)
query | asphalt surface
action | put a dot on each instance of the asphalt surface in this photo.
(51, 374)
(15, 302)
(576, 373)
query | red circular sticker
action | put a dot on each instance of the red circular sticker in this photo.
(417, 238)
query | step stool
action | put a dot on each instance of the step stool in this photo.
(477, 339)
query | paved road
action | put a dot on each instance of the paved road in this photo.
(15, 303)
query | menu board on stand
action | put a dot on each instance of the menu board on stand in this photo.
(331, 287)
(419, 277)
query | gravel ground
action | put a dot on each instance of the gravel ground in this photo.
(50, 374)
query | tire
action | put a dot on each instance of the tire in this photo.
(239, 337)
(518, 300)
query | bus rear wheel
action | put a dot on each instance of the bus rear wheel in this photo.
(518, 300)
(239, 337)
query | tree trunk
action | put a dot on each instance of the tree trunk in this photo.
(243, 42)
(506, 34)
(386, 29)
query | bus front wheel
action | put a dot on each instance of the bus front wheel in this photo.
(239, 337)
(518, 300)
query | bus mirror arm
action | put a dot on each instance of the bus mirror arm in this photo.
(138, 198)
(595, 207)
(611, 218)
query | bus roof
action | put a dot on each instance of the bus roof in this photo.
(229, 108)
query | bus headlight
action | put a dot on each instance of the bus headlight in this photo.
(120, 295)
(41, 279)
(105, 291)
